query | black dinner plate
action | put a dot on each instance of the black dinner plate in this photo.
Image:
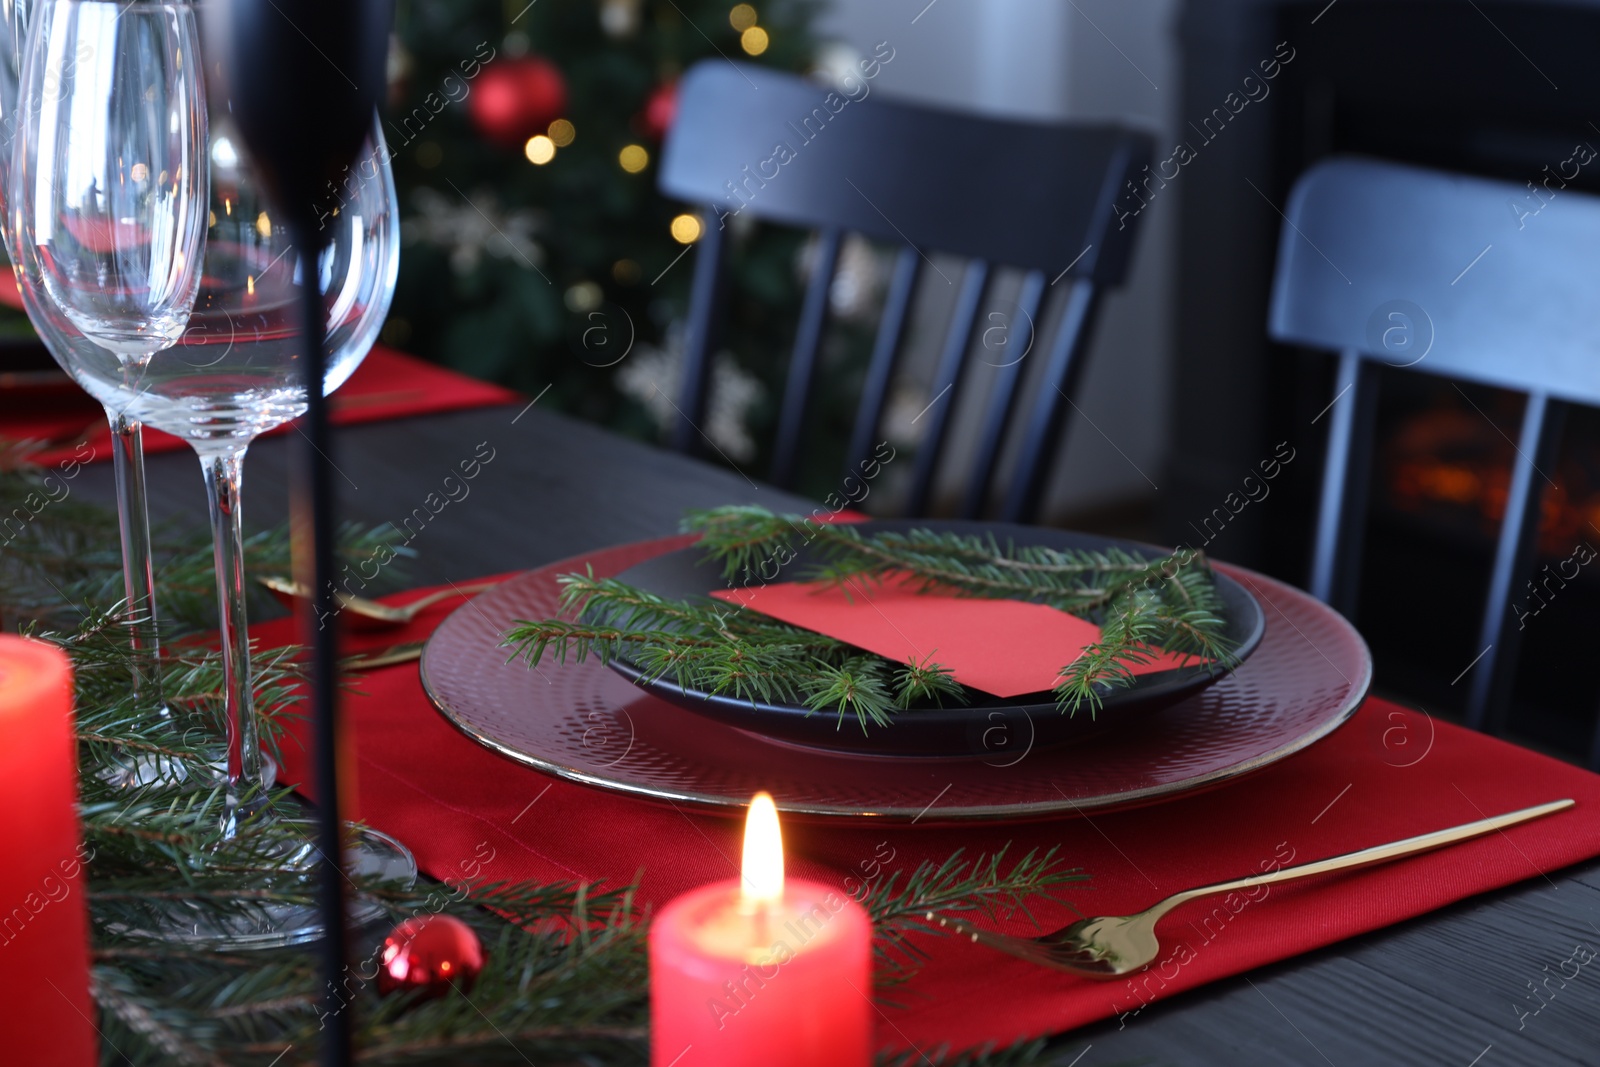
(963, 731)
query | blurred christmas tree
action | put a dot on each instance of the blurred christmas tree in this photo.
(537, 249)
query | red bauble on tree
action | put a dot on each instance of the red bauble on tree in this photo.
(659, 110)
(429, 955)
(515, 98)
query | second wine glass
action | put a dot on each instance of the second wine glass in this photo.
(113, 123)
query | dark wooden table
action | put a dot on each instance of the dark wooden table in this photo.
(1445, 990)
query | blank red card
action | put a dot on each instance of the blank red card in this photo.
(1003, 647)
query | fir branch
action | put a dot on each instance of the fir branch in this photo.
(985, 885)
(927, 681)
(859, 684)
(721, 649)
(161, 1030)
(740, 535)
(1168, 602)
(1140, 604)
(62, 553)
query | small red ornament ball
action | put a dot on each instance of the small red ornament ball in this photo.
(659, 109)
(517, 97)
(428, 956)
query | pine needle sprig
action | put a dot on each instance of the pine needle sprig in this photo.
(1167, 602)
(1141, 604)
(985, 885)
(723, 649)
(60, 553)
(860, 684)
(744, 537)
(927, 682)
(1186, 622)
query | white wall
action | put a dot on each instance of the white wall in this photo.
(1063, 59)
(1001, 56)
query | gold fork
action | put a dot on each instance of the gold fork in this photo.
(370, 614)
(1113, 945)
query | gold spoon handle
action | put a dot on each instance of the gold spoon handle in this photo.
(388, 657)
(444, 594)
(1367, 856)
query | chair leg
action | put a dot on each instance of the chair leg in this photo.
(701, 333)
(803, 362)
(1346, 475)
(947, 386)
(1594, 748)
(1489, 698)
(1048, 419)
(1019, 339)
(885, 357)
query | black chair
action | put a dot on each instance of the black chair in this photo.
(1460, 277)
(1051, 199)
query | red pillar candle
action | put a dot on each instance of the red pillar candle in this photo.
(45, 1011)
(760, 971)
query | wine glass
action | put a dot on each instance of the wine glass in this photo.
(127, 435)
(237, 372)
(232, 373)
(120, 224)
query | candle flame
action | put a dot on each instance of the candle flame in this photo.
(763, 854)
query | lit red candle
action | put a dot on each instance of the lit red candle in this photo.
(44, 928)
(761, 970)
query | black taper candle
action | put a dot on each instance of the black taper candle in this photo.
(303, 78)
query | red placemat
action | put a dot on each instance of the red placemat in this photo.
(387, 385)
(1388, 774)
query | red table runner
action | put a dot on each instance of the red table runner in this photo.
(387, 385)
(1387, 774)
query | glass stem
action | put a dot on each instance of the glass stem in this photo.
(138, 569)
(223, 471)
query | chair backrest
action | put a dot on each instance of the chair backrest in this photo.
(1044, 198)
(1466, 278)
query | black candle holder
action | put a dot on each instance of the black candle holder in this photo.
(303, 78)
